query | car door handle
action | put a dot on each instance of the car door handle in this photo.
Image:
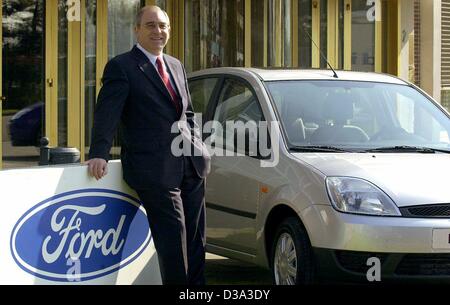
(3, 98)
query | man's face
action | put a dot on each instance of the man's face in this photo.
(154, 31)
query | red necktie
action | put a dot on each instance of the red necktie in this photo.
(166, 80)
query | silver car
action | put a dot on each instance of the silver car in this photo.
(350, 182)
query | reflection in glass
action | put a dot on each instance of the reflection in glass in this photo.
(90, 68)
(273, 17)
(358, 115)
(323, 32)
(201, 91)
(161, 4)
(271, 34)
(214, 33)
(22, 81)
(121, 38)
(121, 19)
(363, 37)
(279, 33)
(385, 33)
(341, 35)
(236, 104)
(258, 46)
(286, 25)
(62, 73)
(305, 26)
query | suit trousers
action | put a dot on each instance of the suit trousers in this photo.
(177, 222)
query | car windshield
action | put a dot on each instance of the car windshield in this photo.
(357, 115)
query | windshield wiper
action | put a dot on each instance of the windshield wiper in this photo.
(318, 148)
(406, 148)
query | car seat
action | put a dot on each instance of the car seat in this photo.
(338, 108)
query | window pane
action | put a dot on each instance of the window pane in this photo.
(214, 34)
(236, 104)
(305, 26)
(341, 35)
(286, 25)
(234, 100)
(418, 120)
(90, 68)
(279, 33)
(62, 73)
(161, 4)
(121, 38)
(272, 34)
(121, 19)
(358, 115)
(363, 36)
(201, 91)
(323, 32)
(22, 81)
(258, 33)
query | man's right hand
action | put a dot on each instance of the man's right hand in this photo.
(97, 167)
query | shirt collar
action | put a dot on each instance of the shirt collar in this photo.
(149, 55)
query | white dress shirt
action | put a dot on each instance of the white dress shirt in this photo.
(152, 58)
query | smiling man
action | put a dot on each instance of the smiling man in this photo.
(146, 92)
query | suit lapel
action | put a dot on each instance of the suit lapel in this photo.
(149, 71)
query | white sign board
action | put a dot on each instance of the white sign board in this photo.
(61, 226)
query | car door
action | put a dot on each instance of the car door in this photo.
(233, 185)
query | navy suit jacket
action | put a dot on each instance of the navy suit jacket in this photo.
(134, 96)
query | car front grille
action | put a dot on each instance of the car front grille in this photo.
(424, 265)
(427, 211)
(357, 261)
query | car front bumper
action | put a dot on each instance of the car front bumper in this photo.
(350, 266)
(343, 243)
(330, 229)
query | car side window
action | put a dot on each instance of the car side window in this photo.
(237, 105)
(201, 91)
(417, 121)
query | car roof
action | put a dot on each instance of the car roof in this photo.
(272, 74)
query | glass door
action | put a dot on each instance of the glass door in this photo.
(22, 81)
(121, 38)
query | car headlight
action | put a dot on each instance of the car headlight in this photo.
(352, 195)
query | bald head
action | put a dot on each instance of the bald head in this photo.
(150, 8)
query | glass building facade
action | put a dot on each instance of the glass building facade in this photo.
(54, 52)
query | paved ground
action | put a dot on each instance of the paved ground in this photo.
(19, 157)
(225, 271)
(16, 156)
(5, 120)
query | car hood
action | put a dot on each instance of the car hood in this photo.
(409, 179)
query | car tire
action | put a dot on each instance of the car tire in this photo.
(292, 260)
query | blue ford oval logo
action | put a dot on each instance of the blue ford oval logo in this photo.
(99, 230)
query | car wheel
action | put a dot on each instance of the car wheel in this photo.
(292, 258)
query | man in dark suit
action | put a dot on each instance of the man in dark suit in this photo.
(146, 91)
